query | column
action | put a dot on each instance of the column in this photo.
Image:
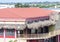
(4, 36)
(58, 38)
(15, 34)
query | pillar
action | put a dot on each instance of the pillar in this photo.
(15, 34)
(58, 38)
(4, 36)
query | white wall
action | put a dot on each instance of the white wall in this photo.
(2, 40)
(21, 40)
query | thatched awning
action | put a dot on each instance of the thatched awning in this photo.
(13, 26)
(21, 25)
(36, 25)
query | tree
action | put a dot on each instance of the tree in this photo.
(18, 5)
(21, 5)
(25, 5)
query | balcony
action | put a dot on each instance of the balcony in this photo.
(32, 35)
(39, 36)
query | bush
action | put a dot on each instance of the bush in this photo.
(10, 41)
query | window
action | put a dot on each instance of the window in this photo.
(30, 22)
(28, 31)
(44, 18)
(39, 30)
(43, 30)
(36, 20)
(46, 29)
(47, 18)
(21, 31)
(41, 19)
(33, 31)
(1, 32)
(10, 32)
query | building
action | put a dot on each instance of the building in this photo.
(7, 6)
(28, 25)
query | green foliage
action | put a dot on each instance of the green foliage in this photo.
(15, 40)
(18, 5)
(34, 5)
(51, 28)
(10, 41)
(25, 5)
(21, 5)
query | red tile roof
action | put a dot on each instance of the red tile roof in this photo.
(23, 12)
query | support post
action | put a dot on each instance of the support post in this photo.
(4, 36)
(15, 34)
(58, 38)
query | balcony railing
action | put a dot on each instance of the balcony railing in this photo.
(41, 36)
(32, 35)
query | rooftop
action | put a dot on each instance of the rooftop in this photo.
(23, 12)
